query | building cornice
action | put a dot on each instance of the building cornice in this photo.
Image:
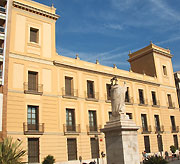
(56, 63)
(150, 51)
(35, 10)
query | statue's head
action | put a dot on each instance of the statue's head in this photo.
(114, 81)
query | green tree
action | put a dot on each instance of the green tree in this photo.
(48, 160)
(173, 149)
(155, 160)
(11, 151)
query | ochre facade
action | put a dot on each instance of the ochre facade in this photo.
(151, 70)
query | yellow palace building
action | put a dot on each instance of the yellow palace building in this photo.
(57, 105)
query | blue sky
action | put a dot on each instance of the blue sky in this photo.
(107, 29)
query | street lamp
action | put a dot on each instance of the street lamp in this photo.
(97, 139)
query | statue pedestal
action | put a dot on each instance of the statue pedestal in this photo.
(121, 141)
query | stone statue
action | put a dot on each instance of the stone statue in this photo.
(117, 97)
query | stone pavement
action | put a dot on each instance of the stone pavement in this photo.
(175, 162)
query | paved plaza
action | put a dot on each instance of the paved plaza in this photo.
(175, 162)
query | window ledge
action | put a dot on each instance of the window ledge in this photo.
(71, 133)
(33, 132)
(156, 106)
(94, 133)
(171, 107)
(34, 44)
(128, 103)
(70, 97)
(142, 104)
(92, 99)
(33, 92)
(108, 101)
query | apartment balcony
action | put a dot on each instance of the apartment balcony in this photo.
(71, 129)
(159, 129)
(174, 129)
(129, 101)
(2, 9)
(36, 89)
(155, 104)
(92, 130)
(2, 29)
(171, 105)
(1, 51)
(92, 97)
(142, 102)
(107, 98)
(146, 129)
(33, 129)
(72, 94)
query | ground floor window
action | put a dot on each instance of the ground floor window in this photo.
(160, 143)
(175, 141)
(33, 150)
(147, 144)
(94, 148)
(72, 149)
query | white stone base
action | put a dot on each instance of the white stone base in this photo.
(121, 141)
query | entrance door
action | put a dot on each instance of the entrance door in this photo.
(33, 150)
(72, 149)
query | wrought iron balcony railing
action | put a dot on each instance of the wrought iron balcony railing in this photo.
(71, 128)
(93, 129)
(159, 129)
(33, 89)
(2, 29)
(174, 129)
(71, 93)
(155, 103)
(142, 101)
(2, 9)
(92, 96)
(171, 105)
(130, 100)
(32, 129)
(146, 129)
(1, 51)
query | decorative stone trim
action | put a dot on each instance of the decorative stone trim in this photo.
(35, 10)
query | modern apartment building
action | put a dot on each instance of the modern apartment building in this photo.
(57, 105)
(4, 49)
(177, 83)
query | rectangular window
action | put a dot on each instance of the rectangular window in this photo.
(154, 98)
(33, 150)
(127, 99)
(108, 89)
(72, 149)
(69, 86)
(157, 123)
(92, 121)
(90, 89)
(164, 70)
(173, 123)
(34, 35)
(169, 100)
(33, 117)
(94, 148)
(110, 115)
(70, 120)
(130, 115)
(144, 122)
(32, 81)
(141, 96)
(175, 141)
(160, 143)
(147, 144)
